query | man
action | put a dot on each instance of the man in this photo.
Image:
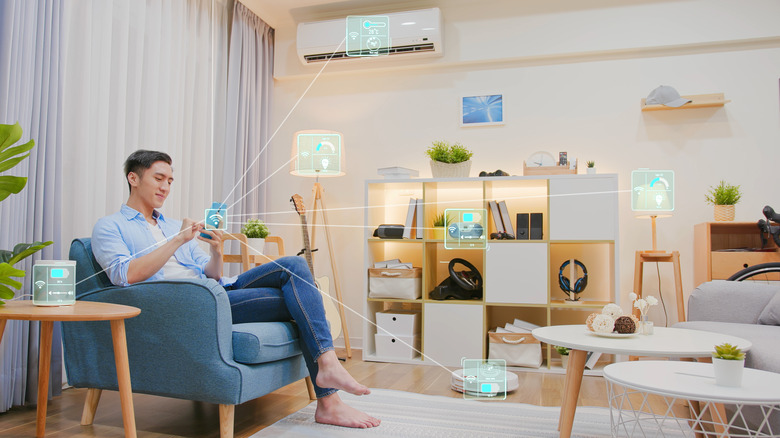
(139, 244)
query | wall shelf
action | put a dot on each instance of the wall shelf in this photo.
(697, 101)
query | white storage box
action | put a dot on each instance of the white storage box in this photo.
(392, 347)
(398, 322)
(403, 284)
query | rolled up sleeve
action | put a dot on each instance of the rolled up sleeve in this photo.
(111, 251)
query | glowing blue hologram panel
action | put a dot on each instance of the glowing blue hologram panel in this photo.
(482, 110)
(318, 154)
(652, 190)
(216, 217)
(484, 379)
(368, 35)
(467, 229)
(54, 282)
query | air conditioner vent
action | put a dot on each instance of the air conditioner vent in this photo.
(319, 57)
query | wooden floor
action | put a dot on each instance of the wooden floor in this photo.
(167, 417)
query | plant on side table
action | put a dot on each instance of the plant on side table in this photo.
(724, 196)
(10, 157)
(728, 361)
(255, 231)
(449, 161)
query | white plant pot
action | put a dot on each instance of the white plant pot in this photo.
(728, 372)
(449, 170)
(565, 361)
(256, 245)
(591, 170)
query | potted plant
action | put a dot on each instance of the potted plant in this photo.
(591, 167)
(449, 161)
(255, 231)
(10, 157)
(723, 197)
(564, 352)
(728, 361)
(440, 223)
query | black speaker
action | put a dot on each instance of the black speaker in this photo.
(522, 226)
(536, 226)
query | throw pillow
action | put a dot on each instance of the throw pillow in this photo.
(771, 313)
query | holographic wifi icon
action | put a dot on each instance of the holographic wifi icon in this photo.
(40, 284)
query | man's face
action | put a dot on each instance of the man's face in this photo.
(154, 185)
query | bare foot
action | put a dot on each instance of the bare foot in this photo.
(332, 410)
(332, 375)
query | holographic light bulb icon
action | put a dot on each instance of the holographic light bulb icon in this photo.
(659, 199)
(325, 164)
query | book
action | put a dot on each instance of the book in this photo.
(409, 219)
(497, 221)
(505, 218)
(419, 230)
(591, 359)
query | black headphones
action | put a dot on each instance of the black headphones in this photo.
(579, 284)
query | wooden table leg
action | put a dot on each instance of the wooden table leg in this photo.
(123, 376)
(571, 391)
(44, 367)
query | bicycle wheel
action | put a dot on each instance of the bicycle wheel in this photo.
(751, 272)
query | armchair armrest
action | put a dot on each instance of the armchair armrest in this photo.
(184, 330)
(729, 301)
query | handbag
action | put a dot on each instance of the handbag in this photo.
(517, 349)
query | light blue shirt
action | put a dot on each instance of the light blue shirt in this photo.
(119, 238)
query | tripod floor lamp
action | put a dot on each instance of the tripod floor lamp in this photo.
(320, 153)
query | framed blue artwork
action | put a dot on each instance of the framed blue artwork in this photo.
(482, 110)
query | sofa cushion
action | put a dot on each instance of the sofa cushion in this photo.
(763, 355)
(771, 313)
(260, 342)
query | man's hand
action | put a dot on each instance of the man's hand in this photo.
(215, 243)
(189, 229)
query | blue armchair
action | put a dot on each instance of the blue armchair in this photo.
(182, 345)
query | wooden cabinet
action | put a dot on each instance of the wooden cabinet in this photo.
(723, 248)
(580, 221)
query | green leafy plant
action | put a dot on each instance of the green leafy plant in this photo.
(446, 153)
(10, 157)
(563, 351)
(723, 194)
(591, 163)
(728, 352)
(442, 220)
(255, 229)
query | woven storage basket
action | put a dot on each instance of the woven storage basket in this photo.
(724, 212)
(449, 170)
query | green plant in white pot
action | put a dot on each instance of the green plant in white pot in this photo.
(449, 161)
(728, 361)
(591, 167)
(724, 196)
(564, 352)
(255, 231)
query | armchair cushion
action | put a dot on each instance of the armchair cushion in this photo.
(261, 342)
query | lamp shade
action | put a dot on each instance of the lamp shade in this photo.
(317, 152)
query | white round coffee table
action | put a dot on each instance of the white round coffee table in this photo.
(665, 342)
(632, 415)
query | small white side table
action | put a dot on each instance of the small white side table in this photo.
(629, 385)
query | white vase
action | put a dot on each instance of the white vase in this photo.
(645, 326)
(565, 361)
(728, 372)
(591, 170)
(450, 170)
(256, 245)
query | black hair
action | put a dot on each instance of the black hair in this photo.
(141, 160)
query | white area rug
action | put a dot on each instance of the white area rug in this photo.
(406, 414)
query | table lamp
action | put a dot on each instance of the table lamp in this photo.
(316, 153)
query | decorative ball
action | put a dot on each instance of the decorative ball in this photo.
(625, 324)
(589, 321)
(603, 324)
(635, 319)
(612, 310)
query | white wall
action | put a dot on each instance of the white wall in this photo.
(572, 74)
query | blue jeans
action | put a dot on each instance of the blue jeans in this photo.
(282, 291)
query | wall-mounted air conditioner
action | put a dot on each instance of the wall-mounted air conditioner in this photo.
(412, 33)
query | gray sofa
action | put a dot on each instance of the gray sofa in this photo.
(746, 309)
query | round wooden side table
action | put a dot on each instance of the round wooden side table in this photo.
(81, 311)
